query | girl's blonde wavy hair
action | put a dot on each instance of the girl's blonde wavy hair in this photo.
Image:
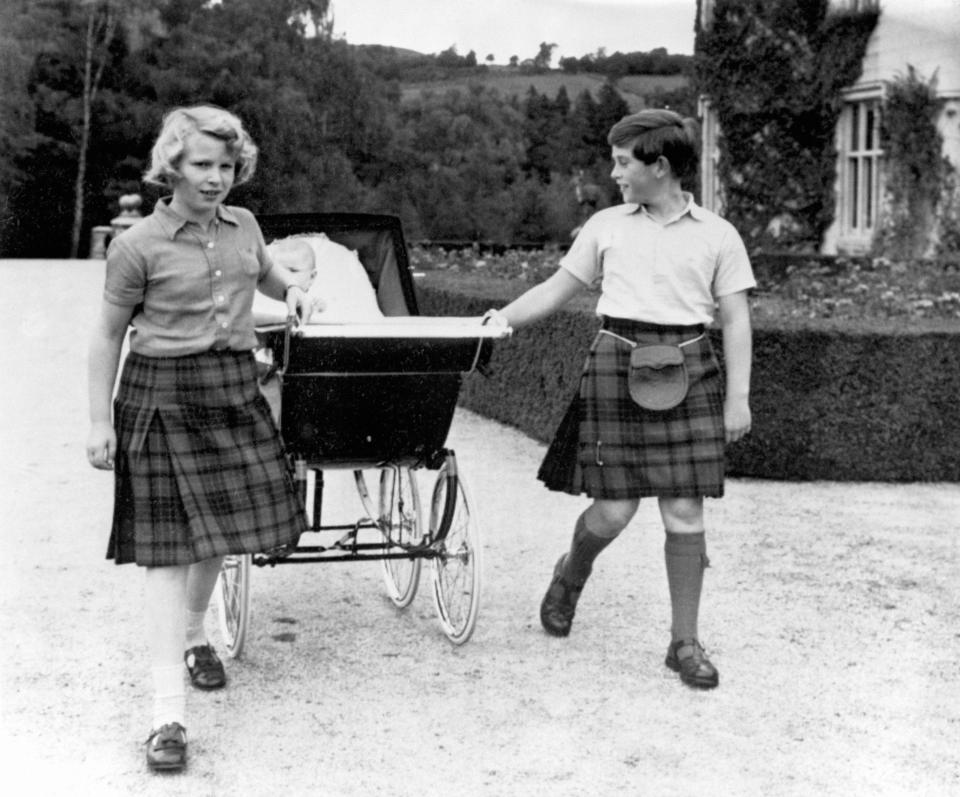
(181, 123)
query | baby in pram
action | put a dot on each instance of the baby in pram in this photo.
(330, 273)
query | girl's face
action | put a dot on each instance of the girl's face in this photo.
(207, 171)
(637, 180)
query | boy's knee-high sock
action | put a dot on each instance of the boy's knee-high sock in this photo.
(686, 558)
(584, 548)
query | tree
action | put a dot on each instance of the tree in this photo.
(460, 152)
(587, 146)
(50, 38)
(774, 75)
(550, 146)
(16, 113)
(313, 109)
(611, 108)
(917, 174)
(102, 19)
(543, 58)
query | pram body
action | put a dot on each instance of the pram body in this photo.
(376, 397)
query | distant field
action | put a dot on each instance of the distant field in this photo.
(633, 88)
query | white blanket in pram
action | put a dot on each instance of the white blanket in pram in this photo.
(335, 279)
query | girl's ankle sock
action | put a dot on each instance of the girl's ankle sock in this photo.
(196, 632)
(169, 695)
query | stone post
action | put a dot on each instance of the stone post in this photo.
(129, 213)
(98, 241)
(101, 236)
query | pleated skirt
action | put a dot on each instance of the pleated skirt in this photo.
(200, 469)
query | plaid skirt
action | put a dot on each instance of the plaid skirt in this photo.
(609, 447)
(200, 469)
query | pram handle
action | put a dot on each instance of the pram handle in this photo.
(292, 322)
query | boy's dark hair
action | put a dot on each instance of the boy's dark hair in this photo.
(653, 132)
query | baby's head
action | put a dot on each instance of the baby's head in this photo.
(295, 255)
(182, 123)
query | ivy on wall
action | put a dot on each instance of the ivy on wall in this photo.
(773, 72)
(919, 181)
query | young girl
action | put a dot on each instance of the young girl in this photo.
(199, 467)
(663, 264)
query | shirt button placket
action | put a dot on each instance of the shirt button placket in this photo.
(219, 293)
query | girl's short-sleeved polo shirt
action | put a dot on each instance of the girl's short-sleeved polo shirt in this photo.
(661, 273)
(192, 288)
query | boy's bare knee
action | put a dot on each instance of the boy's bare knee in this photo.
(682, 515)
(607, 518)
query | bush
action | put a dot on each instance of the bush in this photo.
(792, 288)
(846, 399)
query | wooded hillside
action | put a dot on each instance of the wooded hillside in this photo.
(487, 155)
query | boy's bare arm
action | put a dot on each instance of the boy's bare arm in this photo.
(543, 299)
(738, 356)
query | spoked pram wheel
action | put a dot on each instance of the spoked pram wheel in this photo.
(232, 594)
(458, 564)
(401, 523)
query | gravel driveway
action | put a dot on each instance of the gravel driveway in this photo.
(831, 611)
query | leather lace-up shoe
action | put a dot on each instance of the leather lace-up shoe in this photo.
(560, 602)
(167, 748)
(687, 657)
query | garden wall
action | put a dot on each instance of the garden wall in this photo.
(828, 403)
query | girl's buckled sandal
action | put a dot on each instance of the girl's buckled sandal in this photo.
(205, 668)
(687, 657)
(167, 748)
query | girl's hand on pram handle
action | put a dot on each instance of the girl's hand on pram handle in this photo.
(300, 305)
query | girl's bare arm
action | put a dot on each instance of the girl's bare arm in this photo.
(102, 364)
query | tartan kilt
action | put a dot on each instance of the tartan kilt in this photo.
(608, 447)
(200, 469)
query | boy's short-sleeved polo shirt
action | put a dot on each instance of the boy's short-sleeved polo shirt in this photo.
(192, 289)
(661, 273)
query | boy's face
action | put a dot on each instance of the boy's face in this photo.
(207, 171)
(638, 181)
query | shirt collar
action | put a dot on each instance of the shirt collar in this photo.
(172, 223)
(696, 212)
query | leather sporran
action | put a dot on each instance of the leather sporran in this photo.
(658, 376)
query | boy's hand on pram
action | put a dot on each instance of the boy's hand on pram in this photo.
(495, 318)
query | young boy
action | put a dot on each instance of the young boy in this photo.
(664, 265)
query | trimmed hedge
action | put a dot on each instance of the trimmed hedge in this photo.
(828, 403)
